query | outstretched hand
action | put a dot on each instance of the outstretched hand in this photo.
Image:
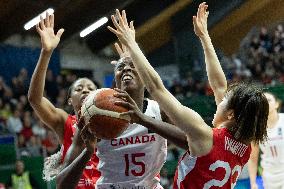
(124, 32)
(122, 52)
(200, 20)
(45, 28)
(134, 113)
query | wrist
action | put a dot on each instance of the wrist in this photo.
(143, 119)
(90, 151)
(46, 51)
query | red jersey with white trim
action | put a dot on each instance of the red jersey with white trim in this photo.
(69, 130)
(220, 168)
(90, 174)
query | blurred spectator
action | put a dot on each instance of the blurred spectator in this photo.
(33, 147)
(39, 129)
(27, 131)
(51, 86)
(21, 179)
(22, 146)
(14, 123)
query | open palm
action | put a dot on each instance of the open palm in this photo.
(200, 20)
(49, 39)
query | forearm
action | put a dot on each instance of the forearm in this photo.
(253, 163)
(151, 79)
(70, 175)
(166, 130)
(75, 149)
(216, 76)
(252, 168)
(36, 88)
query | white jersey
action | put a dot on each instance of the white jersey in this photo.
(135, 159)
(272, 159)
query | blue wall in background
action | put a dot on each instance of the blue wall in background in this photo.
(12, 59)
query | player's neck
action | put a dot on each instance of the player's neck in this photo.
(272, 119)
(138, 98)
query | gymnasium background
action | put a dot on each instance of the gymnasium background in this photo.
(247, 34)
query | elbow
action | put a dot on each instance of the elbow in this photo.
(32, 98)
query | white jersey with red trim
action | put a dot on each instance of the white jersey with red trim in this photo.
(220, 168)
(134, 159)
(272, 158)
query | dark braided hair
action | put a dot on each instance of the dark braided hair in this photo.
(251, 110)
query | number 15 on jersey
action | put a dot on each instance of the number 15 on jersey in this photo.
(134, 164)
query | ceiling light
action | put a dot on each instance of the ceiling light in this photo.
(36, 19)
(93, 27)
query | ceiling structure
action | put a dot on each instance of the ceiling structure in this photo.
(150, 17)
(75, 15)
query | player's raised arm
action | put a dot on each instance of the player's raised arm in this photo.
(216, 76)
(185, 118)
(51, 116)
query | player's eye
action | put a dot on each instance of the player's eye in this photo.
(79, 88)
(91, 88)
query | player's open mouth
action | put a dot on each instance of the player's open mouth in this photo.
(126, 78)
(83, 98)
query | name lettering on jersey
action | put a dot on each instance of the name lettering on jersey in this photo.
(117, 186)
(85, 182)
(133, 140)
(237, 148)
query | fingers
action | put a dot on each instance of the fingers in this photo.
(124, 95)
(41, 23)
(126, 115)
(113, 30)
(38, 29)
(194, 20)
(52, 20)
(124, 18)
(120, 18)
(119, 90)
(124, 104)
(132, 25)
(115, 23)
(202, 10)
(46, 20)
(59, 33)
(118, 50)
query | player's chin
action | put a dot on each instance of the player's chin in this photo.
(129, 86)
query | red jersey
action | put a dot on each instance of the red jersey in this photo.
(69, 130)
(220, 168)
(90, 174)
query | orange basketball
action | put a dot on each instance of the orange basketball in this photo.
(103, 115)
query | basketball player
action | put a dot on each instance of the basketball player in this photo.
(134, 159)
(272, 160)
(216, 156)
(56, 119)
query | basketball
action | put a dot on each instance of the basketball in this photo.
(103, 115)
